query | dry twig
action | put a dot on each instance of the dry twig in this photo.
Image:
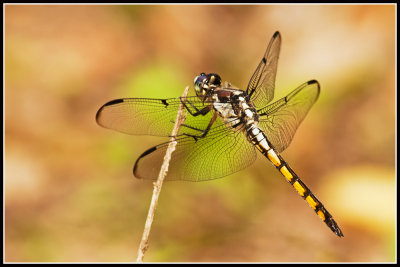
(180, 118)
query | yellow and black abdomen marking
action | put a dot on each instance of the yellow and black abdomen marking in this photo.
(258, 138)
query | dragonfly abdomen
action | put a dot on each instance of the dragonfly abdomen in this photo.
(259, 139)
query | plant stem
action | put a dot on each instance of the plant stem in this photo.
(180, 118)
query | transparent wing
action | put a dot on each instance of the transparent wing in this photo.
(281, 119)
(262, 84)
(222, 152)
(146, 116)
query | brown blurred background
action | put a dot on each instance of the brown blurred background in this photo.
(70, 195)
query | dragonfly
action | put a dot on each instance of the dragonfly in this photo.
(224, 127)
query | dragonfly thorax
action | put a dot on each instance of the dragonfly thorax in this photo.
(234, 107)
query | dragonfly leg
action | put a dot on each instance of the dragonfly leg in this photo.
(191, 127)
(197, 111)
(205, 131)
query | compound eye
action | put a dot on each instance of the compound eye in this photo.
(200, 81)
(215, 80)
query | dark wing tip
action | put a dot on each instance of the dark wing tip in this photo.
(113, 102)
(318, 85)
(276, 34)
(135, 168)
(109, 103)
(313, 81)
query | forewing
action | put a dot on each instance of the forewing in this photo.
(281, 119)
(145, 116)
(222, 152)
(262, 84)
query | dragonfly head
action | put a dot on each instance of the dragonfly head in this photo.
(204, 84)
